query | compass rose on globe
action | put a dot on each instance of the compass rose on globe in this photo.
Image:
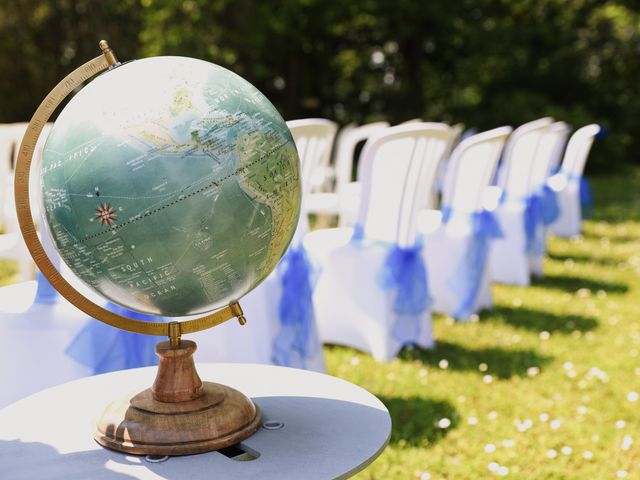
(171, 187)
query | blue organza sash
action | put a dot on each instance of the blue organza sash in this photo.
(586, 197)
(105, 349)
(45, 293)
(404, 273)
(295, 343)
(467, 278)
(541, 210)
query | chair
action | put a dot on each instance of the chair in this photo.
(344, 199)
(37, 325)
(570, 185)
(519, 210)
(457, 239)
(550, 148)
(10, 136)
(314, 139)
(12, 245)
(561, 130)
(281, 323)
(372, 292)
(456, 134)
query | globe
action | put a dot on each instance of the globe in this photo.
(170, 186)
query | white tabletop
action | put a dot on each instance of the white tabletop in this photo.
(332, 429)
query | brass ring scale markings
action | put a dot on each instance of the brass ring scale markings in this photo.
(23, 207)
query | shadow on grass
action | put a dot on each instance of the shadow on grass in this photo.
(591, 235)
(415, 419)
(569, 283)
(538, 321)
(501, 363)
(607, 262)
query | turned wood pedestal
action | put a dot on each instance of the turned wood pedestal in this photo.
(179, 414)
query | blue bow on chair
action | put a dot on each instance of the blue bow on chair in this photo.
(105, 349)
(541, 210)
(294, 345)
(45, 293)
(467, 278)
(586, 197)
(404, 272)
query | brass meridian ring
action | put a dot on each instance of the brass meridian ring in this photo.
(23, 207)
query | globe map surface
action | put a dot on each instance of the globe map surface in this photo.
(170, 186)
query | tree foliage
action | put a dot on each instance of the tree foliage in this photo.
(481, 62)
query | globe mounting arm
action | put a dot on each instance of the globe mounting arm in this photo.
(25, 219)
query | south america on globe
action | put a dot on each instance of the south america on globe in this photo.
(170, 186)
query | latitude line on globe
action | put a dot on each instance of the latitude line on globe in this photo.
(214, 183)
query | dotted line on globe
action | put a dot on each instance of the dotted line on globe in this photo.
(214, 183)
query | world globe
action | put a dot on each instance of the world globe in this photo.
(170, 186)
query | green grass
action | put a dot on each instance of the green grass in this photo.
(554, 367)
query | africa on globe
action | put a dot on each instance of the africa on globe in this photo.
(170, 186)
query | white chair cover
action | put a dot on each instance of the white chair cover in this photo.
(344, 199)
(372, 291)
(523, 236)
(569, 184)
(457, 238)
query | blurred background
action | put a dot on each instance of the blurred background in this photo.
(479, 62)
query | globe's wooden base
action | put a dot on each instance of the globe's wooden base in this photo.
(179, 415)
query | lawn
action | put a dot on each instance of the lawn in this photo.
(544, 386)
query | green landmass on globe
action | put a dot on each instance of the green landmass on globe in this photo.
(170, 186)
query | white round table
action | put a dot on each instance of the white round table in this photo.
(331, 429)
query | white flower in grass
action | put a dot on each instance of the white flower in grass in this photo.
(508, 443)
(443, 364)
(632, 396)
(487, 379)
(425, 476)
(493, 467)
(483, 367)
(544, 335)
(533, 371)
(620, 424)
(472, 421)
(587, 455)
(492, 415)
(622, 474)
(502, 471)
(566, 450)
(582, 410)
(489, 448)
(551, 453)
(444, 423)
(544, 417)
(555, 424)
(355, 361)
(627, 441)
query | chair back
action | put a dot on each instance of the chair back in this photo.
(520, 154)
(346, 144)
(578, 147)
(314, 140)
(397, 173)
(550, 146)
(471, 169)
